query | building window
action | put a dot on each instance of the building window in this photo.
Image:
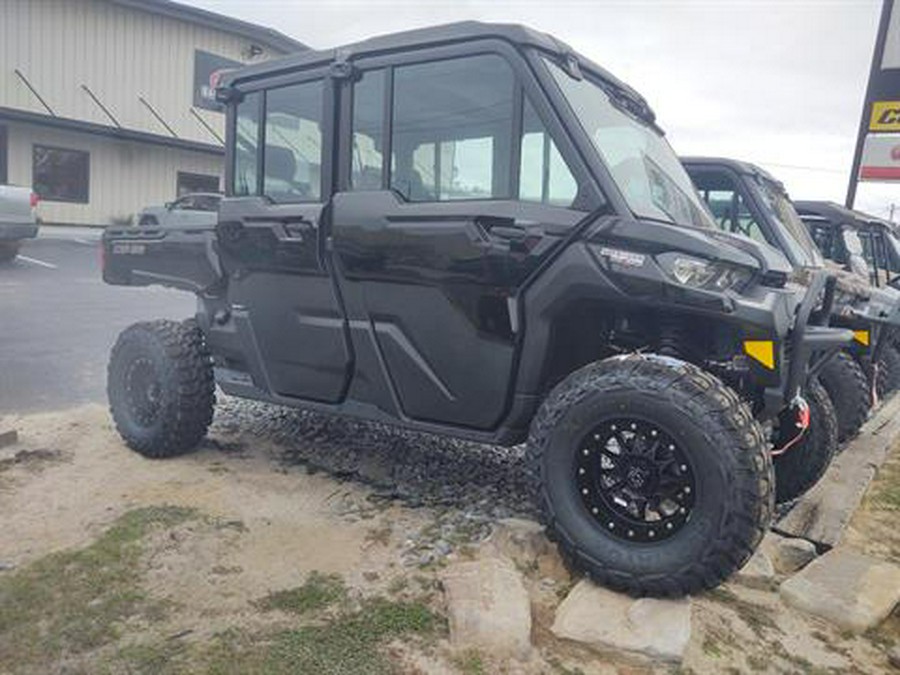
(293, 137)
(60, 175)
(195, 182)
(452, 129)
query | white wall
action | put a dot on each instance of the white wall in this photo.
(119, 53)
(124, 176)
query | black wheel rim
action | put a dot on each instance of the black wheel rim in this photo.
(143, 391)
(635, 480)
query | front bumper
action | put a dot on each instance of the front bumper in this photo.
(808, 347)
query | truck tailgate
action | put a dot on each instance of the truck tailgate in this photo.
(176, 257)
(15, 205)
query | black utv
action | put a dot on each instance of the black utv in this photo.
(473, 230)
(868, 248)
(747, 200)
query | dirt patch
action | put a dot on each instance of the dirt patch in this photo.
(230, 560)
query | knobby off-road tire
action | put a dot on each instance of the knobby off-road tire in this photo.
(801, 466)
(888, 370)
(161, 388)
(9, 250)
(719, 442)
(848, 388)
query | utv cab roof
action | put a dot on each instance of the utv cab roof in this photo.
(443, 35)
(736, 165)
(839, 215)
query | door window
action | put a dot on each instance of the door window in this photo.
(293, 138)
(543, 174)
(727, 205)
(452, 127)
(246, 145)
(368, 132)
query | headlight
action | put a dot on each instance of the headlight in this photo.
(704, 274)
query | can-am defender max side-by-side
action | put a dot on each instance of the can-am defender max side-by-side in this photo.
(472, 230)
(867, 248)
(746, 199)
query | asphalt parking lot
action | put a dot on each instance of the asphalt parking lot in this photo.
(58, 320)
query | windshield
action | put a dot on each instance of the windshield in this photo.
(639, 158)
(780, 208)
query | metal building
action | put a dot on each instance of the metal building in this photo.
(105, 105)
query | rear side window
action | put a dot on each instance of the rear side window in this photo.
(452, 129)
(246, 146)
(727, 205)
(293, 138)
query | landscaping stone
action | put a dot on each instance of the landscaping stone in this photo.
(599, 618)
(851, 590)
(758, 572)
(519, 539)
(787, 554)
(8, 437)
(488, 607)
(894, 657)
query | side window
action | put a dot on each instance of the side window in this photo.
(246, 144)
(543, 174)
(367, 159)
(293, 137)
(452, 128)
(728, 207)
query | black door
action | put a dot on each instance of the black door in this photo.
(271, 243)
(433, 247)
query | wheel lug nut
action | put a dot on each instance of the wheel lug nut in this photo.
(683, 467)
(682, 510)
(651, 534)
(633, 425)
(653, 432)
(584, 491)
(585, 452)
(687, 490)
(612, 526)
(668, 526)
(671, 447)
(612, 427)
(630, 533)
(595, 510)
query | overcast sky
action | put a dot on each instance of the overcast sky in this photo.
(776, 82)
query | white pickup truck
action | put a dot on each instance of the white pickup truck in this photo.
(17, 219)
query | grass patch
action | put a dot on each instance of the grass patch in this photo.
(887, 487)
(470, 662)
(71, 602)
(318, 592)
(757, 617)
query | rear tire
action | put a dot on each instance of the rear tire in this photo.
(801, 467)
(161, 388)
(9, 250)
(693, 413)
(848, 389)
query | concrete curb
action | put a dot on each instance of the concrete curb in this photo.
(822, 514)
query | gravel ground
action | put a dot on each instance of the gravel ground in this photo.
(468, 485)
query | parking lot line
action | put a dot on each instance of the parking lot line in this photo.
(35, 261)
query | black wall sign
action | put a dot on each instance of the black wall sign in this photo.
(205, 66)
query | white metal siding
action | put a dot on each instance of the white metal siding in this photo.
(124, 177)
(119, 53)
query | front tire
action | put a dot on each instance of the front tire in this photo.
(651, 424)
(848, 389)
(161, 388)
(801, 467)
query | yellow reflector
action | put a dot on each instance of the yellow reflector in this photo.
(761, 350)
(862, 337)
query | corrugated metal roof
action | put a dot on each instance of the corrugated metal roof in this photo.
(266, 36)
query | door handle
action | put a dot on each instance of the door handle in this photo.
(512, 233)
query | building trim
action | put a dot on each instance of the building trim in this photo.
(268, 37)
(122, 134)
